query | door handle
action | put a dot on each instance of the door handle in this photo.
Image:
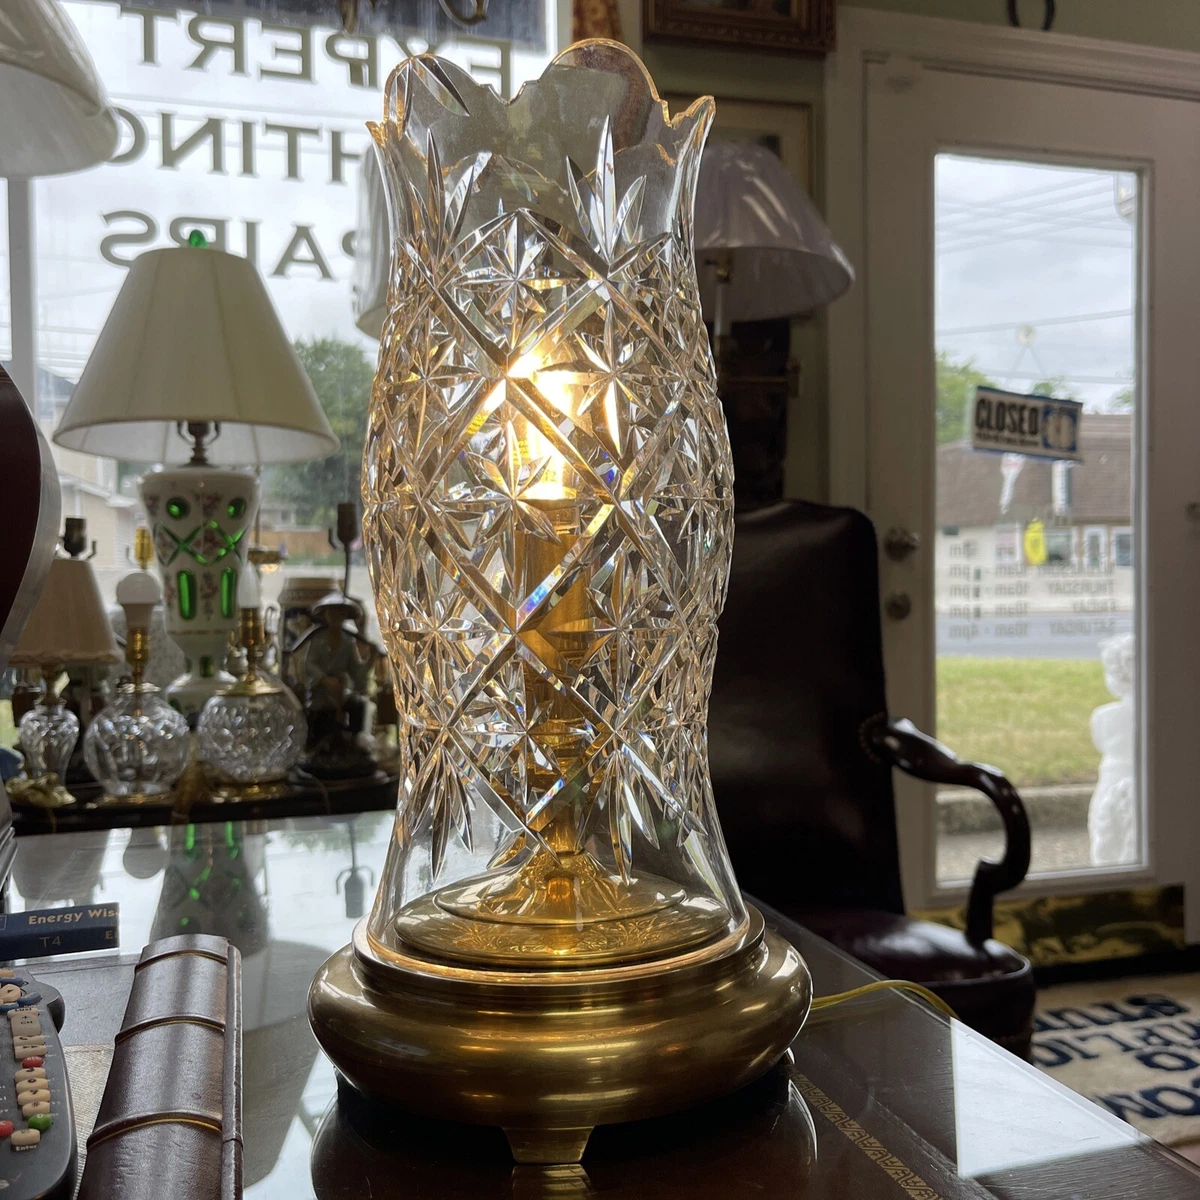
(897, 605)
(899, 543)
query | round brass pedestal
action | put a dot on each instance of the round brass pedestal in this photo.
(547, 1055)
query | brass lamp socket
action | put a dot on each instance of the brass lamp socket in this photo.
(137, 653)
(50, 673)
(143, 547)
(252, 638)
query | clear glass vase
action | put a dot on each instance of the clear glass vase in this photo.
(549, 520)
(138, 745)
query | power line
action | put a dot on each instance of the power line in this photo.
(1002, 327)
(1038, 376)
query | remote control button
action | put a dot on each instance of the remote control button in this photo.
(6, 1127)
(25, 1023)
(9, 992)
(41, 1123)
(35, 1108)
(29, 1075)
(34, 1061)
(35, 1039)
(33, 1096)
(22, 1139)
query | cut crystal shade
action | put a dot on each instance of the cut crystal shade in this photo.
(549, 518)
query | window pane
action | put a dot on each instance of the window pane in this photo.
(248, 124)
(1034, 563)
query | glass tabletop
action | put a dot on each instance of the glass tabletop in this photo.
(877, 1097)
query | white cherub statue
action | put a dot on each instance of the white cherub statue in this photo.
(1113, 813)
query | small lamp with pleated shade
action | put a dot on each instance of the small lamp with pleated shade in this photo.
(67, 628)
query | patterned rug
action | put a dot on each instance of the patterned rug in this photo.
(1130, 1045)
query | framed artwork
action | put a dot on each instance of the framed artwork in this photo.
(784, 129)
(787, 26)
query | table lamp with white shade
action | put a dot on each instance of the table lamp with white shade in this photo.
(54, 119)
(762, 254)
(193, 370)
(761, 246)
(57, 117)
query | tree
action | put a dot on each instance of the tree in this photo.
(956, 384)
(341, 375)
(1055, 387)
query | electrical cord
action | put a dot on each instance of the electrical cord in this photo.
(822, 1002)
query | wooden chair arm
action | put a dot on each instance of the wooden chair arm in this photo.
(901, 744)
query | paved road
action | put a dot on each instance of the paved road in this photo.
(1036, 635)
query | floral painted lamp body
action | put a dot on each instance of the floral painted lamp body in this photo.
(199, 521)
(549, 520)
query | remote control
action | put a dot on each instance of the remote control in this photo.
(37, 1126)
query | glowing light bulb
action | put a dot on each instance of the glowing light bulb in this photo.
(538, 454)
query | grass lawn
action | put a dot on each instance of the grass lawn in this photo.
(1030, 717)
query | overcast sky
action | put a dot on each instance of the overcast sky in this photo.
(1036, 272)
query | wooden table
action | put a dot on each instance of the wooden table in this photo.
(882, 1098)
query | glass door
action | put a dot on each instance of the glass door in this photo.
(1038, 238)
(1034, 560)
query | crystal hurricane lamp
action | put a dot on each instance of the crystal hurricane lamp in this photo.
(253, 731)
(138, 745)
(558, 940)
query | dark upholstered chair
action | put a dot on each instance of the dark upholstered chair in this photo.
(802, 750)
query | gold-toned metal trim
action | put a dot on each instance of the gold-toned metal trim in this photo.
(549, 1054)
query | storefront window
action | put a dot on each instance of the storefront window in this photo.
(246, 122)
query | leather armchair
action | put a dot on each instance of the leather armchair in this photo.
(802, 751)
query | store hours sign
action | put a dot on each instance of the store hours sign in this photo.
(248, 129)
(1033, 426)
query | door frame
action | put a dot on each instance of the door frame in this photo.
(907, 45)
(910, 43)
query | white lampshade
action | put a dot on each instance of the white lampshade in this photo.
(54, 115)
(784, 259)
(372, 249)
(193, 336)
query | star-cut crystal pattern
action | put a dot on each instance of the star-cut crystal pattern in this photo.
(548, 500)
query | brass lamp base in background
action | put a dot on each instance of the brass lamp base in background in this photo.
(548, 1054)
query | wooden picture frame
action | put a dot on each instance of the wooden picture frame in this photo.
(785, 129)
(782, 26)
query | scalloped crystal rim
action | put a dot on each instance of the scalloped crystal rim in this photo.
(682, 123)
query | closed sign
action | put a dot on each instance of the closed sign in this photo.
(1038, 426)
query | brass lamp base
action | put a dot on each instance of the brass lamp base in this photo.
(549, 1054)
